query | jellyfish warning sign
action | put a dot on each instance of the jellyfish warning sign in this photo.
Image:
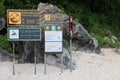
(14, 17)
(23, 17)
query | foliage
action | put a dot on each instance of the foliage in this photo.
(4, 43)
(2, 7)
(106, 43)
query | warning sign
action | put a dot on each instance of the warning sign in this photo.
(14, 17)
(23, 17)
(47, 17)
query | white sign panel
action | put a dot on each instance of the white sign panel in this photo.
(53, 35)
(53, 46)
(14, 34)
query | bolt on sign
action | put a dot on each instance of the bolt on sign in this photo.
(23, 17)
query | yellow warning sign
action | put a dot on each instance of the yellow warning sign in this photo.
(14, 17)
(47, 17)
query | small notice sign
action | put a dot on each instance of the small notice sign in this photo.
(52, 19)
(53, 35)
(53, 46)
(47, 17)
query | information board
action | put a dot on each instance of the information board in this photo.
(53, 46)
(53, 35)
(23, 17)
(24, 34)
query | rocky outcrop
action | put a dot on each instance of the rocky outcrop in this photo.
(82, 39)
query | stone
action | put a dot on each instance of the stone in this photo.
(2, 23)
(117, 51)
(66, 60)
(51, 59)
(107, 38)
(114, 39)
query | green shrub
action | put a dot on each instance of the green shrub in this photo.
(106, 43)
(2, 7)
(5, 44)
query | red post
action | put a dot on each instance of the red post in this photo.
(70, 27)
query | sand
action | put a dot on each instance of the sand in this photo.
(89, 67)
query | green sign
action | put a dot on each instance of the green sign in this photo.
(24, 34)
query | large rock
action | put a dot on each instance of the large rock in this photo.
(82, 39)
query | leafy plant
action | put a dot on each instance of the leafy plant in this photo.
(2, 7)
(106, 43)
(5, 44)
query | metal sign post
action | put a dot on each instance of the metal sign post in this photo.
(70, 55)
(45, 61)
(35, 60)
(61, 63)
(70, 38)
(13, 58)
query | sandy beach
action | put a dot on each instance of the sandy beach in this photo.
(89, 67)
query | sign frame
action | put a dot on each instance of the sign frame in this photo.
(16, 39)
(19, 10)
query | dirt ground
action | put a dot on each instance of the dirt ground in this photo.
(89, 67)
